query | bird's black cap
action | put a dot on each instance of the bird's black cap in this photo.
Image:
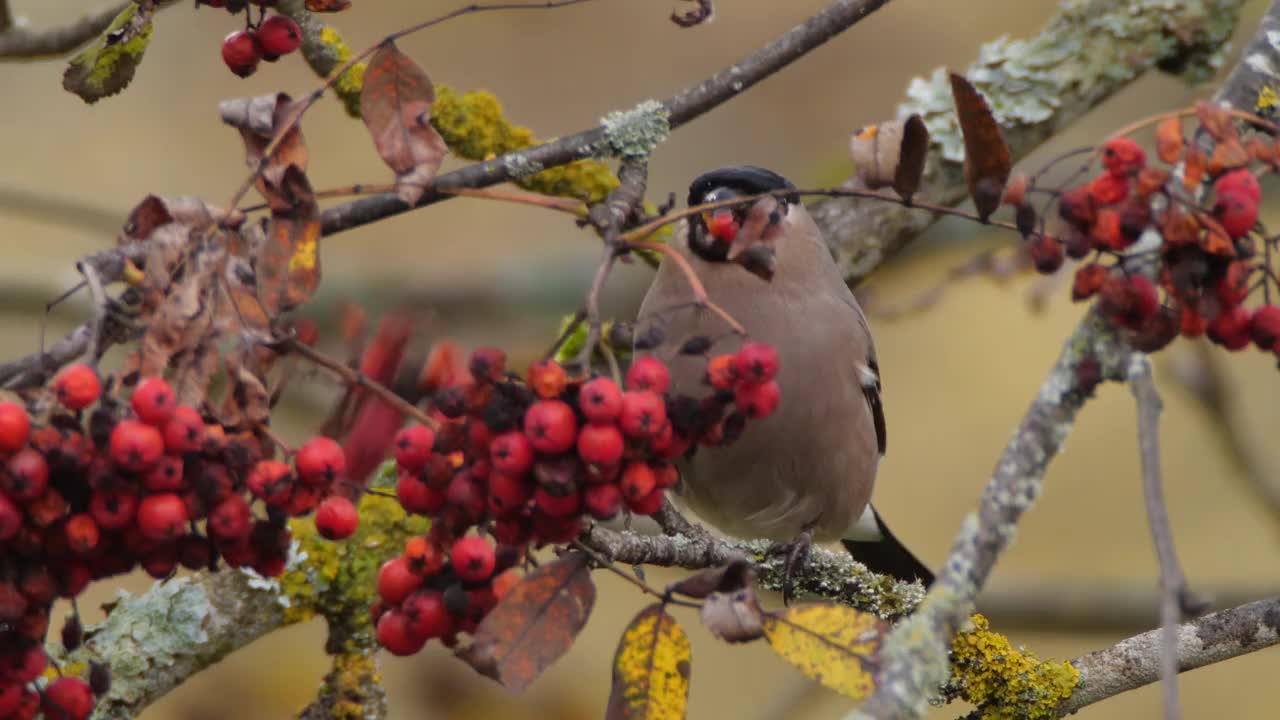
(746, 179)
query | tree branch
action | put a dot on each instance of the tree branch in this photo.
(1136, 661)
(20, 43)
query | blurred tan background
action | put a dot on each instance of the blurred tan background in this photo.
(957, 378)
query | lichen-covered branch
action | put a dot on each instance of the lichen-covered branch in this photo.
(1090, 50)
(18, 42)
(914, 656)
(1252, 84)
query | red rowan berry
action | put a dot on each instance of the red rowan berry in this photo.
(561, 506)
(12, 603)
(10, 518)
(552, 529)
(135, 446)
(1191, 323)
(600, 444)
(77, 386)
(1108, 189)
(426, 614)
(1264, 327)
(507, 494)
(413, 447)
(278, 35)
(722, 225)
(665, 475)
(472, 558)
(10, 697)
(756, 363)
(758, 401)
(270, 480)
(1239, 181)
(396, 580)
(241, 53)
(1078, 207)
(153, 401)
(320, 461)
(27, 477)
(1088, 281)
(1233, 287)
(487, 365)
(550, 426)
(721, 372)
(162, 517)
(1123, 157)
(600, 400)
(603, 500)
(1046, 254)
(637, 481)
(648, 373)
(194, 552)
(184, 431)
(1237, 212)
(113, 509)
(15, 427)
(165, 475)
(643, 414)
(416, 496)
(511, 454)
(647, 505)
(336, 518)
(395, 635)
(1231, 328)
(82, 533)
(68, 698)
(547, 378)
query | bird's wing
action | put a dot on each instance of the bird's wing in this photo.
(869, 375)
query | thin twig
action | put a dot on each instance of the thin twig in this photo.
(20, 43)
(97, 323)
(1172, 581)
(695, 285)
(356, 378)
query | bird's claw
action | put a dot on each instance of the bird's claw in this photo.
(795, 557)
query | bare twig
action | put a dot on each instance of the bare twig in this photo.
(1172, 581)
(20, 43)
(358, 379)
(98, 294)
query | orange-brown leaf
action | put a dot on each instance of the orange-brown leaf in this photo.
(258, 119)
(1194, 168)
(534, 623)
(1169, 142)
(1216, 121)
(987, 162)
(288, 267)
(395, 104)
(1227, 155)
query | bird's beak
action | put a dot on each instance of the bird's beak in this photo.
(760, 226)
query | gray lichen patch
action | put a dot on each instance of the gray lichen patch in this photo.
(638, 131)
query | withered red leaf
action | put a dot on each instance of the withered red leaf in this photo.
(987, 162)
(259, 119)
(535, 622)
(1193, 169)
(288, 264)
(395, 104)
(1169, 142)
(1216, 121)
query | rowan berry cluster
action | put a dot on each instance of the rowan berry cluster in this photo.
(523, 462)
(268, 39)
(100, 487)
(1210, 258)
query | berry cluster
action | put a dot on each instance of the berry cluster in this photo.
(268, 39)
(1209, 261)
(524, 461)
(100, 488)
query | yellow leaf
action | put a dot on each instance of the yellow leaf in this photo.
(833, 644)
(651, 669)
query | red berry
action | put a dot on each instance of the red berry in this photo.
(600, 400)
(487, 365)
(413, 447)
(396, 580)
(240, 52)
(395, 635)
(1129, 301)
(1123, 157)
(77, 386)
(424, 556)
(472, 558)
(511, 453)
(82, 533)
(603, 500)
(547, 378)
(15, 427)
(562, 506)
(647, 505)
(507, 494)
(600, 444)
(135, 446)
(184, 431)
(643, 414)
(758, 401)
(165, 475)
(270, 480)
(1264, 327)
(68, 698)
(756, 363)
(162, 517)
(1233, 287)
(278, 35)
(1239, 181)
(1088, 281)
(1078, 207)
(10, 698)
(1237, 212)
(666, 475)
(320, 461)
(1231, 328)
(648, 373)
(336, 518)
(722, 372)
(30, 664)
(113, 510)
(417, 496)
(722, 225)
(10, 518)
(550, 426)
(27, 476)
(637, 481)
(1109, 189)
(153, 401)
(427, 616)
(1046, 254)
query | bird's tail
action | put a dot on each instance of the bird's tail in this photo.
(887, 556)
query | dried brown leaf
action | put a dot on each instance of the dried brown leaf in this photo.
(328, 6)
(1193, 168)
(395, 104)
(914, 151)
(288, 264)
(700, 13)
(1227, 155)
(534, 623)
(726, 578)
(734, 617)
(258, 119)
(987, 162)
(247, 403)
(184, 313)
(1216, 121)
(1169, 142)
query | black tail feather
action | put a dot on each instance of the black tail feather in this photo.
(887, 556)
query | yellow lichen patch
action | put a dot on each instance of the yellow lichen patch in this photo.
(833, 644)
(349, 682)
(651, 668)
(1006, 683)
(347, 86)
(339, 579)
